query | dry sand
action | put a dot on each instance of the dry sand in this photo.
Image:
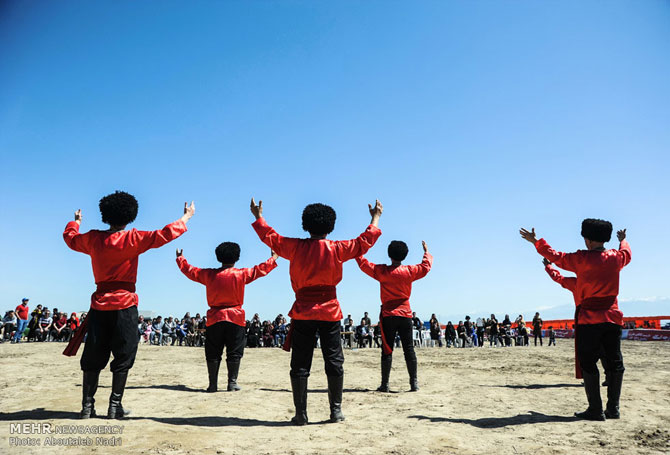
(515, 400)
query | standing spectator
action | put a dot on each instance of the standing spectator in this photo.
(462, 334)
(481, 329)
(493, 330)
(552, 336)
(418, 325)
(22, 319)
(435, 330)
(537, 328)
(450, 334)
(8, 325)
(507, 322)
(366, 320)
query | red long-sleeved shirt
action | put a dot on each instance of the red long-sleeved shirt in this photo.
(316, 262)
(395, 283)
(225, 288)
(22, 312)
(114, 257)
(597, 277)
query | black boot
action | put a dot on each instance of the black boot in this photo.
(335, 385)
(89, 387)
(299, 386)
(115, 410)
(386, 373)
(233, 370)
(413, 380)
(213, 373)
(615, 378)
(592, 388)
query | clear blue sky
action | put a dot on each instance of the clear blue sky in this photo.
(466, 119)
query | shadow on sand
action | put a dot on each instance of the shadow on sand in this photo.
(317, 390)
(537, 386)
(499, 422)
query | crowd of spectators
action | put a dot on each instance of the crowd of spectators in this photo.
(46, 325)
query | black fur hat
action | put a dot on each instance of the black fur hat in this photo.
(318, 219)
(398, 250)
(227, 253)
(118, 208)
(596, 230)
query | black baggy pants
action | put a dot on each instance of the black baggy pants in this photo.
(110, 332)
(226, 334)
(403, 327)
(595, 341)
(303, 342)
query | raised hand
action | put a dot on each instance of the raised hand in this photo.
(257, 210)
(189, 211)
(376, 212)
(274, 255)
(528, 235)
(425, 246)
(77, 216)
(546, 262)
(621, 235)
(180, 253)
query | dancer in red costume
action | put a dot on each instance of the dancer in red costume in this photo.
(600, 320)
(112, 320)
(225, 317)
(315, 270)
(395, 282)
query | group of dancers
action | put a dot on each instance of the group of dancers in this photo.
(315, 270)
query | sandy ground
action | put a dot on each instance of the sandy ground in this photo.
(516, 400)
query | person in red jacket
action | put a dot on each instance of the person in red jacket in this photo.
(225, 318)
(395, 282)
(570, 283)
(315, 270)
(112, 319)
(600, 320)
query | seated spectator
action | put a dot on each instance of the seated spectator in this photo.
(363, 334)
(268, 335)
(280, 331)
(156, 336)
(59, 328)
(180, 331)
(168, 330)
(73, 324)
(43, 326)
(8, 325)
(377, 333)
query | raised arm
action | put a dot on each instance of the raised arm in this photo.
(283, 246)
(624, 248)
(72, 237)
(366, 266)
(568, 283)
(145, 240)
(261, 269)
(566, 261)
(420, 270)
(192, 273)
(349, 249)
